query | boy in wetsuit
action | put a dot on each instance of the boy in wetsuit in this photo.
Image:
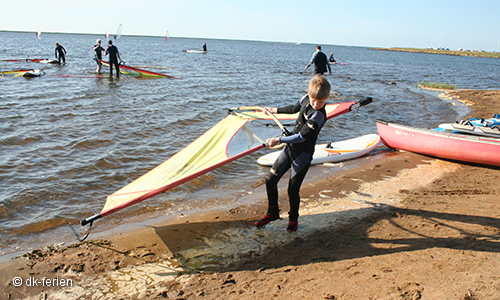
(98, 50)
(62, 53)
(298, 151)
(114, 55)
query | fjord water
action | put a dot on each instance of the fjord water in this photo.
(66, 142)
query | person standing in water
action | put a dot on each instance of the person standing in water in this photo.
(98, 50)
(204, 48)
(320, 62)
(60, 53)
(114, 56)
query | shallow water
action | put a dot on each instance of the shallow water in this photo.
(68, 142)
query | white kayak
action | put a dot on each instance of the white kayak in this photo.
(333, 152)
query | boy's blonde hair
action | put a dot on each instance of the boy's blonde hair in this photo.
(319, 88)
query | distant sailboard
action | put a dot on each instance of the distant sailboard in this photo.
(118, 32)
(239, 134)
(167, 37)
(39, 32)
(128, 70)
(23, 73)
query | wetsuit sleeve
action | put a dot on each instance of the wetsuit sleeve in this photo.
(292, 139)
(313, 126)
(292, 109)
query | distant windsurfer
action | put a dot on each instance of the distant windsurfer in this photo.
(298, 152)
(320, 62)
(114, 56)
(98, 50)
(204, 48)
(60, 53)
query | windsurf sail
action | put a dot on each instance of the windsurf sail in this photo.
(25, 73)
(107, 34)
(237, 135)
(38, 33)
(15, 72)
(118, 32)
(167, 36)
(27, 59)
(128, 70)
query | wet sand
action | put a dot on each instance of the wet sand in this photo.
(404, 227)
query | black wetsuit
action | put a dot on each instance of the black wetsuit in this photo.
(112, 50)
(320, 63)
(98, 53)
(62, 54)
(296, 155)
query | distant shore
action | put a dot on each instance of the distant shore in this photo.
(443, 52)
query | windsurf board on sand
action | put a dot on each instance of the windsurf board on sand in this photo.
(333, 152)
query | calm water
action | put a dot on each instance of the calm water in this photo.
(68, 142)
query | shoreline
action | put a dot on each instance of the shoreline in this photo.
(399, 226)
(442, 52)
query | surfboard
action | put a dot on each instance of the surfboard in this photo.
(48, 61)
(470, 129)
(333, 152)
(195, 51)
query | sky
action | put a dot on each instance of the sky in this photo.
(454, 24)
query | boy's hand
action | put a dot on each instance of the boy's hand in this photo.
(272, 142)
(271, 110)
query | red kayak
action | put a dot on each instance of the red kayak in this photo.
(461, 147)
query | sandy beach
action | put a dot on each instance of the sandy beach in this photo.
(405, 227)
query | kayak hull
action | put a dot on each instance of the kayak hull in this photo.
(453, 146)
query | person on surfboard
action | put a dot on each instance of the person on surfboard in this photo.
(62, 53)
(114, 55)
(320, 62)
(204, 48)
(298, 152)
(331, 59)
(98, 50)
